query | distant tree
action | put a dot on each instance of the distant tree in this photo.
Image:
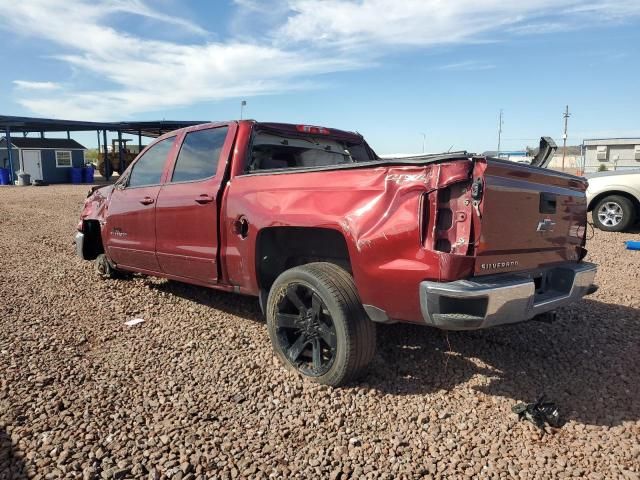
(602, 168)
(91, 156)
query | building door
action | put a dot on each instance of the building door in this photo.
(32, 164)
(186, 212)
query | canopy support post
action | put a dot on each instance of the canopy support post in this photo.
(120, 153)
(107, 163)
(9, 152)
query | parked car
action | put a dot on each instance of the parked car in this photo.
(614, 199)
(333, 239)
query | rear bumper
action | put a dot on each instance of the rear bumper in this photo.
(484, 302)
(79, 240)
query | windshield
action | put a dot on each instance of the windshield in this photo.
(272, 151)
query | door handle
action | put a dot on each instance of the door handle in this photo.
(204, 198)
(146, 201)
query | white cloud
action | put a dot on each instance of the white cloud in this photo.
(304, 39)
(137, 7)
(152, 75)
(374, 23)
(466, 66)
(28, 85)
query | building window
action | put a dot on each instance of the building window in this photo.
(63, 158)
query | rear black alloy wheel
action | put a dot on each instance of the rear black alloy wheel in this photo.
(317, 325)
(305, 330)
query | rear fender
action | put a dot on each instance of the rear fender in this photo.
(378, 211)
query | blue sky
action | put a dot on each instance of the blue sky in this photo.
(391, 70)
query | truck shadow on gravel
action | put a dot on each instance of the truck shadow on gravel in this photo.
(11, 467)
(586, 362)
(232, 303)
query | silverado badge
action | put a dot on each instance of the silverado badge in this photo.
(495, 265)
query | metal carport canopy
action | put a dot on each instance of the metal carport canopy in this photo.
(148, 128)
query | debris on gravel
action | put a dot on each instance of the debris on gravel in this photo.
(195, 391)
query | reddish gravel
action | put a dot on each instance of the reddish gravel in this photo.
(195, 392)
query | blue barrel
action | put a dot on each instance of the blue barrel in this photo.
(5, 176)
(632, 245)
(76, 174)
(87, 174)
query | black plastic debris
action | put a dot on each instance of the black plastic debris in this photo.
(539, 413)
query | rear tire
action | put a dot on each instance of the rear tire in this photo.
(614, 214)
(317, 325)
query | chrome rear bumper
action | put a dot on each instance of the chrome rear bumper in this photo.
(483, 302)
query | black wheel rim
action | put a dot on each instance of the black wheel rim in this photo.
(305, 330)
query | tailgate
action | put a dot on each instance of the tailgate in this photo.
(530, 217)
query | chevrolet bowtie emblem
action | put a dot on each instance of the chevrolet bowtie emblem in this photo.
(546, 225)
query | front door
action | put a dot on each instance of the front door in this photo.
(32, 164)
(186, 211)
(131, 219)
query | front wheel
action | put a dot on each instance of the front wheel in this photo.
(317, 325)
(105, 269)
(613, 213)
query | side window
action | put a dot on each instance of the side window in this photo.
(199, 155)
(148, 168)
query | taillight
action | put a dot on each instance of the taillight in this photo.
(444, 221)
(424, 210)
(312, 129)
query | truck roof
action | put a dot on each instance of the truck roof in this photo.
(282, 128)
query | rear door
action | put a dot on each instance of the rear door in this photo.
(131, 219)
(531, 217)
(187, 210)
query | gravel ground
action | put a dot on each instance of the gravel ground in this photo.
(195, 392)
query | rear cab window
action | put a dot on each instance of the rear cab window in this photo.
(273, 150)
(199, 155)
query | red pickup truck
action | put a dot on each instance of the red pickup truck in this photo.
(334, 239)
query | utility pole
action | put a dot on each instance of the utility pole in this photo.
(243, 103)
(500, 122)
(424, 141)
(564, 135)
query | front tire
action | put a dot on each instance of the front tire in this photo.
(317, 325)
(614, 214)
(105, 269)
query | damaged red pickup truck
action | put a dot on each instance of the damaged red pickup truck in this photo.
(334, 239)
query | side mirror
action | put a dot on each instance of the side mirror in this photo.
(121, 184)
